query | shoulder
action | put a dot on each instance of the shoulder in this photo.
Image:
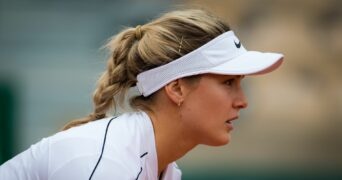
(73, 154)
(113, 143)
(118, 129)
(125, 129)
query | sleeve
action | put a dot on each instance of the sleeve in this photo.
(31, 164)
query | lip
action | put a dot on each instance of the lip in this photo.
(232, 119)
(229, 123)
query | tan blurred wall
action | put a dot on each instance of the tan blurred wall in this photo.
(294, 117)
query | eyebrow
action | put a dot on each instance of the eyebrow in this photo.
(228, 77)
(239, 76)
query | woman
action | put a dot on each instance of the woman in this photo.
(188, 67)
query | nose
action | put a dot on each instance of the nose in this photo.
(240, 101)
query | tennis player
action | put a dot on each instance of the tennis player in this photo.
(188, 66)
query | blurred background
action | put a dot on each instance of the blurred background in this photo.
(50, 59)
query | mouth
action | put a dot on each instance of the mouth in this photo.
(229, 123)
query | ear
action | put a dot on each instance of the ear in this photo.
(175, 91)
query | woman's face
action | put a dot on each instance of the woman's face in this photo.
(209, 108)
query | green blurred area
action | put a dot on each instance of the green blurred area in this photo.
(7, 104)
(214, 174)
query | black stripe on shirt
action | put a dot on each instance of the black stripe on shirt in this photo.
(103, 146)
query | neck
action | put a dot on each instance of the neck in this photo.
(170, 135)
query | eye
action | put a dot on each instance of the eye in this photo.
(229, 82)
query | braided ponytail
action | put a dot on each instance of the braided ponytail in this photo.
(114, 82)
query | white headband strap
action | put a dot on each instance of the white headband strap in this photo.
(195, 62)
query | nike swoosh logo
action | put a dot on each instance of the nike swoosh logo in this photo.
(238, 45)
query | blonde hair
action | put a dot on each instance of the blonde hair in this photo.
(135, 50)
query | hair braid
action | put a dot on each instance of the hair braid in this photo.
(113, 83)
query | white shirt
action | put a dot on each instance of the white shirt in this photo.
(129, 152)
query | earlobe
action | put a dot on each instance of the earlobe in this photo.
(174, 91)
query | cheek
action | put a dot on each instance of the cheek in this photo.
(204, 118)
(215, 100)
(209, 103)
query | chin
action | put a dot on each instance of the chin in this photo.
(224, 140)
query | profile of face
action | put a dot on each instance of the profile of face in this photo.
(209, 109)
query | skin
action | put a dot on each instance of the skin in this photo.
(185, 114)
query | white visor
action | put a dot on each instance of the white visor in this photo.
(223, 55)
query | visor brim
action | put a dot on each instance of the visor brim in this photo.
(250, 63)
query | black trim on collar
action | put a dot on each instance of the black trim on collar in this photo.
(143, 154)
(139, 173)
